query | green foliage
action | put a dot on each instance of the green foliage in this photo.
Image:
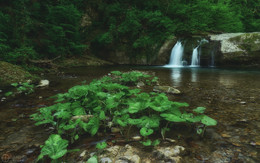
(87, 108)
(55, 147)
(101, 145)
(20, 55)
(8, 93)
(92, 159)
(25, 87)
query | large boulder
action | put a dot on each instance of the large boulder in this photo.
(239, 48)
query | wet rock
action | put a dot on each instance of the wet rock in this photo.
(169, 154)
(43, 83)
(140, 84)
(122, 154)
(243, 102)
(146, 160)
(105, 160)
(136, 138)
(130, 158)
(30, 151)
(166, 89)
(83, 154)
(223, 155)
(115, 129)
(170, 140)
(113, 151)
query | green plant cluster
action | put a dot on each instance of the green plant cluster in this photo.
(89, 108)
(25, 88)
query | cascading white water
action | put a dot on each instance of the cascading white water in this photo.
(176, 55)
(195, 57)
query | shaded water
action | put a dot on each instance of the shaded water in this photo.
(232, 97)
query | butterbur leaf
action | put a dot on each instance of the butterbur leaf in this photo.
(79, 111)
(156, 142)
(134, 107)
(151, 122)
(92, 159)
(121, 122)
(134, 121)
(101, 145)
(102, 115)
(55, 147)
(199, 131)
(134, 91)
(117, 73)
(172, 118)
(208, 121)
(15, 84)
(77, 92)
(76, 137)
(199, 110)
(148, 142)
(146, 131)
(179, 104)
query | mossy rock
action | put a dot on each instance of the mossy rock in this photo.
(10, 73)
(248, 41)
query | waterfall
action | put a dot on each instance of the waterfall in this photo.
(195, 57)
(176, 55)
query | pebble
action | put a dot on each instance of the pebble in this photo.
(170, 140)
(243, 102)
(83, 153)
(137, 138)
(115, 129)
(43, 83)
(105, 160)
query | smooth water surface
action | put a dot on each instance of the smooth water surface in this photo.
(231, 96)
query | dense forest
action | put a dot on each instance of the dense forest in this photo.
(34, 29)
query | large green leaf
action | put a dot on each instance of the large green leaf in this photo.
(172, 118)
(146, 131)
(55, 147)
(152, 121)
(79, 111)
(77, 92)
(199, 110)
(148, 142)
(208, 121)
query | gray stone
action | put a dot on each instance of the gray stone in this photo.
(169, 153)
(43, 83)
(105, 160)
(140, 84)
(113, 151)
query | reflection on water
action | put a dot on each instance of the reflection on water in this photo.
(227, 81)
(176, 76)
(194, 74)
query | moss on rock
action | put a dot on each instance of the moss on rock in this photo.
(10, 73)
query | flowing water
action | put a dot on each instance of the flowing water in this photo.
(231, 96)
(176, 55)
(195, 57)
